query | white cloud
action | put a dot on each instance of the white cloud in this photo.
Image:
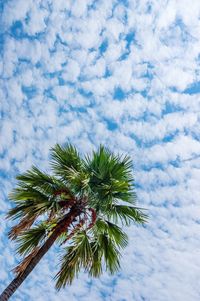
(72, 71)
(36, 23)
(16, 11)
(79, 8)
(96, 70)
(182, 147)
(155, 122)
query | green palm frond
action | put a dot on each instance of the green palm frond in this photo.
(126, 214)
(62, 237)
(88, 250)
(26, 193)
(96, 268)
(111, 253)
(28, 201)
(77, 256)
(108, 238)
(77, 180)
(114, 232)
(63, 159)
(32, 202)
(106, 166)
(35, 178)
(32, 207)
(31, 238)
(110, 176)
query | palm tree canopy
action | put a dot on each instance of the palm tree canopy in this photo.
(102, 184)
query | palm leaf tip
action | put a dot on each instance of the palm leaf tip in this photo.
(63, 158)
(126, 214)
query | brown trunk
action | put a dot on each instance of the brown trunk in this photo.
(62, 226)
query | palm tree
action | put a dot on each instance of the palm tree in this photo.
(78, 206)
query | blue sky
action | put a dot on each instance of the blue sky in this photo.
(125, 74)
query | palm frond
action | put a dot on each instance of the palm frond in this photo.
(104, 164)
(77, 256)
(110, 252)
(34, 178)
(114, 232)
(21, 210)
(24, 224)
(31, 238)
(32, 202)
(96, 268)
(63, 159)
(77, 180)
(28, 201)
(110, 177)
(88, 250)
(30, 207)
(126, 214)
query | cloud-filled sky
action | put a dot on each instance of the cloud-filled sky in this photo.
(125, 74)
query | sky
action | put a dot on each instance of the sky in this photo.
(125, 74)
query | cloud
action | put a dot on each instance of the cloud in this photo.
(121, 73)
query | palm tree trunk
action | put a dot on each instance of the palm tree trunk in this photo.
(62, 226)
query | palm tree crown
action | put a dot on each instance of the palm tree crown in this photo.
(99, 187)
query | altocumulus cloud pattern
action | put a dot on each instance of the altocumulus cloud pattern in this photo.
(125, 74)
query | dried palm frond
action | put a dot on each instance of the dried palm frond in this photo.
(25, 262)
(24, 224)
